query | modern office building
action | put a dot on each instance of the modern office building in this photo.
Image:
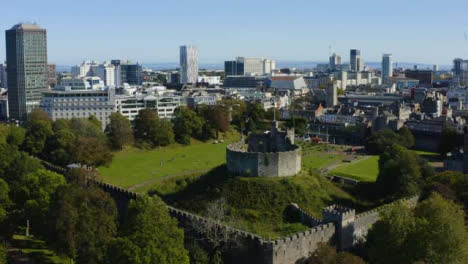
(86, 68)
(67, 104)
(26, 54)
(460, 71)
(355, 60)
(332, 95)
(126, 72)
(230, 68)
(106, 72)
(188, 64)
(249, 66)
(164, 104)
(3, 75)
(425, 77)
(387, 70)
(335, 61)
(51, 75)
(131, 73)
(244, 81)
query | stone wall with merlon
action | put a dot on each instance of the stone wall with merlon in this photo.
(291, 249)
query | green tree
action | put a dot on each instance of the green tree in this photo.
(379, 141)
(407, 138)
(216, 117)
(236, 110)
(449, 140)
(390, 239)
(149, 235)
(34, 198)
(16, 136)
(58, 145)
(4, 200)
(434, 233)
(399, 172)
(325, 254)
(146, 125)
(198, 255)
(299, 124)
(165, 133)
(3, 253)
(441, 234)
(90, 151)
(186, 124)
(95, 122)
(119, 131)
(38, 129)
(83, 223)
(150, 129)
(254, 116)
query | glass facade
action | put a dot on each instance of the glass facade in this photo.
(26, 54)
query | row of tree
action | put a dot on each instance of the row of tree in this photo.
(81, 140)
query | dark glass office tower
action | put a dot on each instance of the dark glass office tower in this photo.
(26, 54)
(355, 56)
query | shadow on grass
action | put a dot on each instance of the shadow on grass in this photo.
(198, 191)
(365, 195)
(33, 249)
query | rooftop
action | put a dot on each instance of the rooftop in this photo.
(26, 26)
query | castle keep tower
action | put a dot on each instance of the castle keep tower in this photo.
(272, 154)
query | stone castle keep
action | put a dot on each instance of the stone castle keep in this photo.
(272, 154)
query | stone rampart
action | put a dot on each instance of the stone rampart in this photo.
(338, 226)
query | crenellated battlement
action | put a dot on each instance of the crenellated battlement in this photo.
(340, 226)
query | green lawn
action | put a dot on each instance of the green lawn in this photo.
(132, 165)
(316, 156)
(365, 170)
(36, 250)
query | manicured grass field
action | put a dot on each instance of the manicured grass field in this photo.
(36, 250)
(133, 166)
(365, 170)
(318, 156)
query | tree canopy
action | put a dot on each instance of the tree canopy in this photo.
(325, 254)
(434, 232)
(449, 140)
(186, 124)
(149, 235)
(399, 172)
(83, 222)
(119, 131)
(379, 141)
(152, 130)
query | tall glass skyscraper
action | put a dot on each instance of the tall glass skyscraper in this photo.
(26, 54)
(188, 64)
(387, 69)
(357, 63)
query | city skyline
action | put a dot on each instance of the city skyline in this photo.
(152, 32)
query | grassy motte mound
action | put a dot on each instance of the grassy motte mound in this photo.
(253, 204)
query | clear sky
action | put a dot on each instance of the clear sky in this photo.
(150, 31)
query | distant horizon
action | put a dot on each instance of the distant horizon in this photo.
(280, 64)
(301, 30)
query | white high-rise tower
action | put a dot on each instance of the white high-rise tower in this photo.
(188, 64)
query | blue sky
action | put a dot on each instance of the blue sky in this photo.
(150, 31)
